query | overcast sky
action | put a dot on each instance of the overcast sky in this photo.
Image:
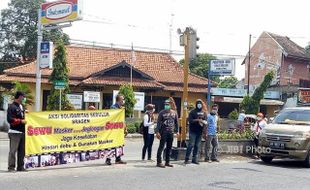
(222, 25)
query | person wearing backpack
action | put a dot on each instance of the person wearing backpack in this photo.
(148, 131)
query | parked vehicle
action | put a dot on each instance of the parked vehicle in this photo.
(288, 136)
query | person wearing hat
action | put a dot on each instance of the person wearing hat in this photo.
(197, 120)
(148, 131)
(167, 125)
(16, 119)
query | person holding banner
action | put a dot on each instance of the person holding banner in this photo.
(120, 102)
(167, 125)
(16, 119)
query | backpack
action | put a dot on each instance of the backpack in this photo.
(141, 127)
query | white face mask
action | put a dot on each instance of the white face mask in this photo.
(199, 106)
(259, 118)
(153, 110)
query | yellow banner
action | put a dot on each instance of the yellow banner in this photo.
(48, 132)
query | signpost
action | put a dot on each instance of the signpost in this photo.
(52, 13)
(59, 85)
(222, 67)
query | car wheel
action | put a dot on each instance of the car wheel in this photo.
(266, 159)
(307, 161)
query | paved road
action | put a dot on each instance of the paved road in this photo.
(232, 173)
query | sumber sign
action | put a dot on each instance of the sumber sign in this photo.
(224, 67)
(90, 96)
(60, 11)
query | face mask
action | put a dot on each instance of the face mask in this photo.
(259, 118)
(199, 106)
(167, 107)
(123, 102)
(153, 110)
(24, 100)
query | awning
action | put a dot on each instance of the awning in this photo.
(266, 102)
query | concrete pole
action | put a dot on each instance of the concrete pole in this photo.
(38, 70)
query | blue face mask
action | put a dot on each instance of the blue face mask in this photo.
(167, 107)
(199, 106)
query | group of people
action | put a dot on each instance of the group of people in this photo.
(201, 125)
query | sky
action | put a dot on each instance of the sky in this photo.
(223, 26)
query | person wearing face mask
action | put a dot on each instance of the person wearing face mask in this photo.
(211, 136)
(16, 119)
(148, 132)
(259, 125)
(197, 120)
(167, 125)
(120, 102)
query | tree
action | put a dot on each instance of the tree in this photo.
(200, 66)
(251, 104)
(60, 73)
(127, 91)
(25, 89)
(228, 82)
(18, 39)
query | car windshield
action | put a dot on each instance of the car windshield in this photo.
(297, 117)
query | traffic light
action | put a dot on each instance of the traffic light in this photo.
(193, 44)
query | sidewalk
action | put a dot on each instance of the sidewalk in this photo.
(3, 136)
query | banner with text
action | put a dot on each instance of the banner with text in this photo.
(67, 131)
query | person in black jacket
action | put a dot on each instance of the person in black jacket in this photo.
(197, 120)
(16, 119)
(167, 125)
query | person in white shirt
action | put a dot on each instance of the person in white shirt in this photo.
(258, 127)
(148, 131)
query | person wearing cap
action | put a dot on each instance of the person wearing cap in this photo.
(148, 131)
(167, 125)
(197, 120)
(211, 136)
(16, 119)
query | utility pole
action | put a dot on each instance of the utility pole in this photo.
(249, 63)
(38, 70)
(189, 40)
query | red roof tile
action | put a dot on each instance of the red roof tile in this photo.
(85, 61)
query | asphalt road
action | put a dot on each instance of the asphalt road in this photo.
(232, 173)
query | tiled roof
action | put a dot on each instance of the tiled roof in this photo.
(25, 79)
(117, 81)
(290, 47)
(83, 62)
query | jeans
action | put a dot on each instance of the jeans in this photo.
(194, 141)
(211, 140)
(148, 143)
(166, 139)
(17, 144)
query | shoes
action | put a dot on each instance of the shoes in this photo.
(195, 162)
(120, 162)
(215, 160)
(160, 165)
(169, 165)
(186, 162)
(11, 170)
(22, 170)
(207, 160)
(108, 162)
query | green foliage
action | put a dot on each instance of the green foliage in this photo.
(18, 25)
(224, 135)
(60, 72)
(233, 115)
(25, 89)
(131, 128)
(251, 104)
(200, 66)
(127, 91)
(228, 82)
